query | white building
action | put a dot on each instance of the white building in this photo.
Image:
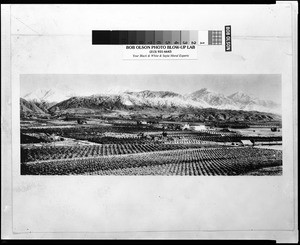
(246, 143)
(198, 127)
(186, 126)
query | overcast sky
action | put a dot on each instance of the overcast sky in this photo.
(262, 86)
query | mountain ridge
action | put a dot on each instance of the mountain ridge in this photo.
(200, 99)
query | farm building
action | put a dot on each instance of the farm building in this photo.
(185, 127)
(142, 122)
(198, 127)
(52, 137)
(246, 143)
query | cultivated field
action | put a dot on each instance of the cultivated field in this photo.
(209, 161)
(129, 149)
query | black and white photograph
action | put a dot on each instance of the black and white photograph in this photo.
(149, 121)
(151, 125)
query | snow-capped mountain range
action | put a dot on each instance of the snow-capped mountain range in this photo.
(48, 95)
(202, 98)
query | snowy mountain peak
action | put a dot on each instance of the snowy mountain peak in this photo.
(49, 95)
(154, 94)
(202, 98)
(203, 91)
(242, 97)
(212, 98)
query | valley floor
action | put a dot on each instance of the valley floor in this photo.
(128, 149)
